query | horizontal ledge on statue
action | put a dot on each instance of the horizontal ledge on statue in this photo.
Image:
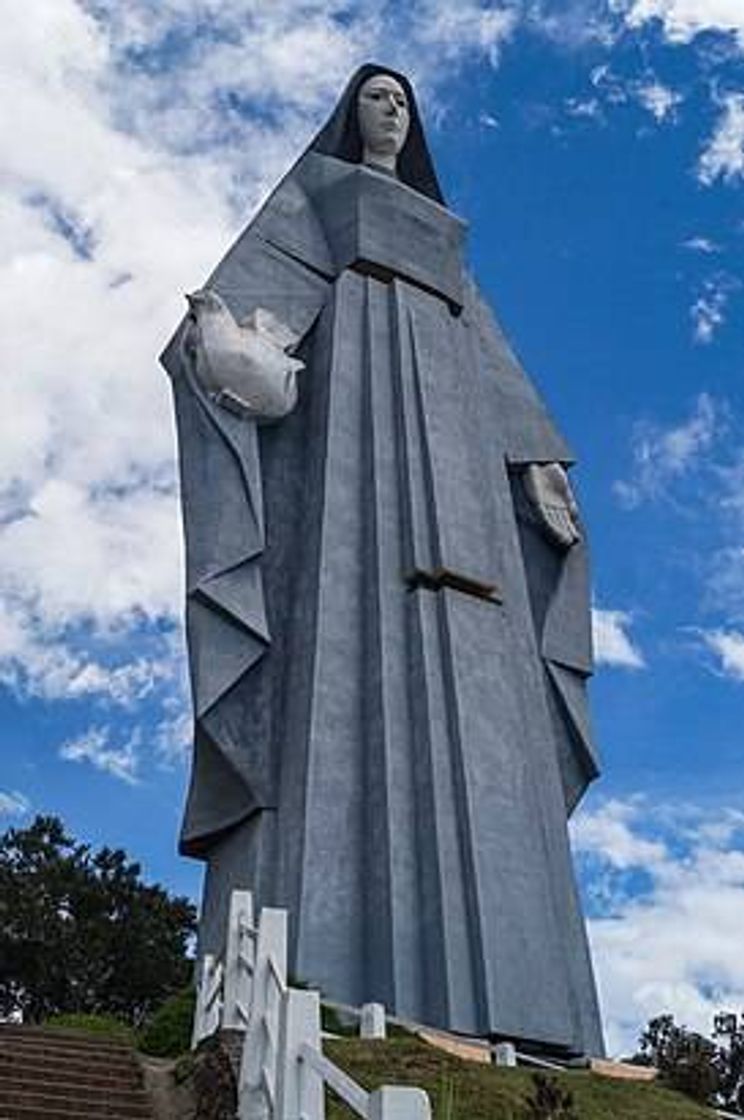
(435, 579)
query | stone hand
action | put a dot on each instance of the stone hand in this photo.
(245, 366)
(552, 503)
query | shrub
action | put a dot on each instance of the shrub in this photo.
(168, 1033)
(549, 1100)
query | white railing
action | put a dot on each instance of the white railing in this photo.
(224, 990)
(283, 1071)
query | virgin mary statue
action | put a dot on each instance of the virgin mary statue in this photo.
(387, 602)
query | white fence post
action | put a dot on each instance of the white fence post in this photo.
(260, 1058)
(372, 1021)
(208, 1004)
(300, 1094)
(505, 1054)
(397, 1102)
(239, 954)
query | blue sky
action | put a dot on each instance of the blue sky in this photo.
(597, 149)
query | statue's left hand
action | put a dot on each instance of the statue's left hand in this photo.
(552, 503)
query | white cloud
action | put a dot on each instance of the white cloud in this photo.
(708, 312)
(662, 455)
(659, 99)
(616, 90)
(588, 107)
(682, 20)
(96, 747)
(728, 646)
(612, 643)
(665, 931)
(609, 834)
(723, 156)
(13, 804)
(701, 245)
(460, 29)
(725, 583)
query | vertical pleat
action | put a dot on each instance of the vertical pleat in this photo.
(330, 907)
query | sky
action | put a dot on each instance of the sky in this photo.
(596, 147)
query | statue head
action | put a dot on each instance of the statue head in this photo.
(384, 119)
(377, 121)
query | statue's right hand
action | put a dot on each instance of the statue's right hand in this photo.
(245, 365)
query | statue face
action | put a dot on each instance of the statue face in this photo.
(384, 116)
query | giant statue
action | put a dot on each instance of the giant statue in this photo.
(387, 601)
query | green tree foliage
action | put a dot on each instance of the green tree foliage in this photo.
(685, 1060)
(80, 932)
(731, 1062)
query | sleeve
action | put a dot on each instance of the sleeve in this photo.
(528, 432)
(557, 580)
(227, 630)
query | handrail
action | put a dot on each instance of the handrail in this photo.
(276, 975)
(283, 1070)
(214, 986)
(346, 1088)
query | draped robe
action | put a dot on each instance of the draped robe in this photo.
(388, 658)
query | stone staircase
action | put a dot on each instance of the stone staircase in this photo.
(50, 1074)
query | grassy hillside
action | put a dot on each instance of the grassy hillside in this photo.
(484, 1093)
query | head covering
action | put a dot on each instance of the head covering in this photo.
(340, 135)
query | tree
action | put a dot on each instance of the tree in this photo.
(730, 1061)
(80, 932)
(685, 1060)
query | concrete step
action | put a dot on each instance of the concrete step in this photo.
(63, 1036)
(31, 1056)
(25, 1102)
(20, 1111)
(21, 1065)
(38, 1050)
(46, 1074)
(13, 1088)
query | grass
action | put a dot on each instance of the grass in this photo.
(462, 1090)
(102, 1026)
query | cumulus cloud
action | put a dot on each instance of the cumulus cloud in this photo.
(708, 312)
(659, 99)
(610, 833)
(612, 643)
(96, 746)
(13, 804)
(468, 26)
(682, 20)
(723, 155)
(663, 455)
(728, 647)
(666, 890)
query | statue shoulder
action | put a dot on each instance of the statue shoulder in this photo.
(289, 220)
